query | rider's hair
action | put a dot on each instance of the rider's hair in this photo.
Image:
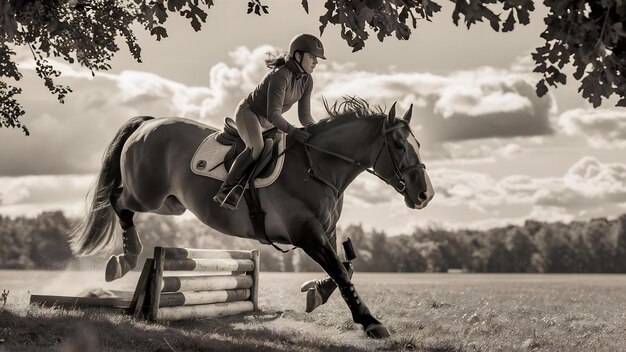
(275, 60)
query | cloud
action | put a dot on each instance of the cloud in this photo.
(602, 128)
(30, 195)
(486, 150)
(70, 138)
(482, 103)
(368, 190)
(588, 182)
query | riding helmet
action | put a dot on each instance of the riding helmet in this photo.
(307, 43)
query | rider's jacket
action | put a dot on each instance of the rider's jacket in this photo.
(278, 91)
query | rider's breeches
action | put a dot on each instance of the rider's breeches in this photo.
(249, 128)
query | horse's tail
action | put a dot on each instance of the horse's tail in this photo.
(97, 231)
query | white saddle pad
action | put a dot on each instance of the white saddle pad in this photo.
(211, 153)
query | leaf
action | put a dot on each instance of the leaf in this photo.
(404, 14)
(541, 88)
(324, 19)
(523, 16)
(494, 21)
(264, 9)
(196, 15)
(159, 31)
(403, 32)
(159, 12)
(591, 89)
(509, 24)
(305, 4)
(175, 5)
(430, 7)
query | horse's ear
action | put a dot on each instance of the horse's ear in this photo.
(392, 113)
(407, 114)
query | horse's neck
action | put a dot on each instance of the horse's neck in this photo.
(355, 139)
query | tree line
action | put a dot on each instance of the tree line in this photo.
(595, 246)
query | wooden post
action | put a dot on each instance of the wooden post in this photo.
(157, 282)
(137, 303)
(254, 297)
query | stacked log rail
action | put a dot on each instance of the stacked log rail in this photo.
(203, 294)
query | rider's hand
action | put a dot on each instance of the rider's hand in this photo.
(301, 136)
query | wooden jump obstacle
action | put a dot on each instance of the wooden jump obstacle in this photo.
(198, 296)
(198, 293)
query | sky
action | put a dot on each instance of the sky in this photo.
(496, 153)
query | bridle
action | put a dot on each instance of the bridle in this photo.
(399, 174)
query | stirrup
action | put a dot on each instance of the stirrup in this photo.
(232, 199)
(221, 195)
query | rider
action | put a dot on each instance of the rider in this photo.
(288, 82)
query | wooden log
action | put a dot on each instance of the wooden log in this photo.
(121, 303)
(137, 304)
(205, 283)
(203, 297)
(157, 283)
(204, 311)
(254, 274)
(191, 253)
(208, 265)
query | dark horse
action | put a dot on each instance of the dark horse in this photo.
(146, 168)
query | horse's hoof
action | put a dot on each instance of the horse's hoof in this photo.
(377, 331)
(113, 270)
(307, 285)
(313, 299)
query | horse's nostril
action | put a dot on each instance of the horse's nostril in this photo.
(422, 197)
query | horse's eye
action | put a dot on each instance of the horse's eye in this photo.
(400, 146)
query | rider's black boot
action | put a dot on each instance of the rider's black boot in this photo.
(231, 191)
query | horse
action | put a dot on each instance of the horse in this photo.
(146, 168)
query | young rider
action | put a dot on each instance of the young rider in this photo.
(288, 82)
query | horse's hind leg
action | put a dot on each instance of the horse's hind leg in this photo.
(119, 265)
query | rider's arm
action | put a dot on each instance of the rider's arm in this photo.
(304, 104)
(275, 98)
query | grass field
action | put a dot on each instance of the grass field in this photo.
(424, 312)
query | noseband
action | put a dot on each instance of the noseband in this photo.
(398, 173)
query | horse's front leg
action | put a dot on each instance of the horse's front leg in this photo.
(318, 247)
(319, 291)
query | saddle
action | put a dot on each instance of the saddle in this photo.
(216, 154)
(269, 156)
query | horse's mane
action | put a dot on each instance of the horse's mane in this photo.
(351, 106)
